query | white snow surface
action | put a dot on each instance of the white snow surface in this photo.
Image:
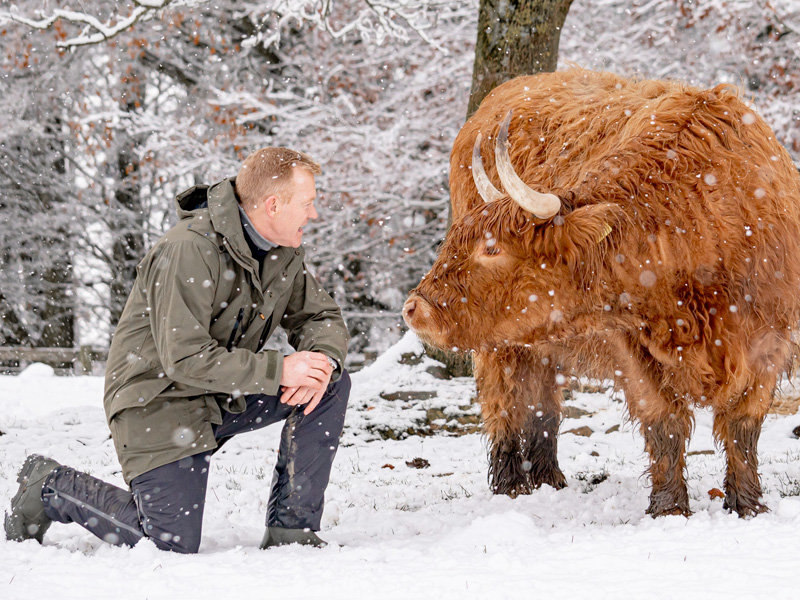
(410, 533)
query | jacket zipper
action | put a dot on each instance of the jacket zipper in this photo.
(264, 333)
(229, 346)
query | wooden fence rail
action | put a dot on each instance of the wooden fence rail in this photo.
(14, 359)
(81, 358)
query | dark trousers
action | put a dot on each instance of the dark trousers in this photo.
(166, 504)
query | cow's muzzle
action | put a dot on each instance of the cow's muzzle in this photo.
(416, 312)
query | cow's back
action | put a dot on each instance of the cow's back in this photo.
(706, 189)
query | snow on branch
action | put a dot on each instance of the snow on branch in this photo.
(94, 31)
(373, 20)
(783, 15)
(380, 19)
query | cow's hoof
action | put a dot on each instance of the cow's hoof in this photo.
(511, 489)
(669, 512)
(554, 479)
(656, 510)
(745, 509)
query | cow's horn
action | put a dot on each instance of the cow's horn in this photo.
(486, 189)
(541, 205)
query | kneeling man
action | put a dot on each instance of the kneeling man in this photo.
(186, 370)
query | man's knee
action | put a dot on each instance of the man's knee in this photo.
(170, 500)
(169, 533)
(170, 542)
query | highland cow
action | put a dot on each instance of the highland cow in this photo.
(647, 232)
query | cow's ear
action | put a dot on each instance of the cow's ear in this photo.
(584, 232)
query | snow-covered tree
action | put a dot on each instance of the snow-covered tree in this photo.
(184, 96)
(37, 202)
(147, 97)
(754, 44)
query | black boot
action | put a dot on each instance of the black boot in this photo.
(27, 519)
(280, 536)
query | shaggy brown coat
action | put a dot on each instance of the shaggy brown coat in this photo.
(673, 268)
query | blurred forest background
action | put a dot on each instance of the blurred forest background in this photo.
(109, 109)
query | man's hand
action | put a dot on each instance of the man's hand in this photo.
(305, 378)
(303, 395)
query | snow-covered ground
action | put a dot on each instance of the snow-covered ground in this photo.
(404, 532)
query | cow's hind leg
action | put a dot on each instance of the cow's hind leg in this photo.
(665, 442)
(665, 421)
(666, 426)
(521, 414)
(738, 430)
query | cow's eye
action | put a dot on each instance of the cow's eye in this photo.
(492, 250)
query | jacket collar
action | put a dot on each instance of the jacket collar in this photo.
(253, 238)
(223, 208)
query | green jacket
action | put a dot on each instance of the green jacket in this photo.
(186, 346)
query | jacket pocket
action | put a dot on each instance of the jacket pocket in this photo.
(162, 424)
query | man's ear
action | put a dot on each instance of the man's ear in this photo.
(584, 232)
(272, 205)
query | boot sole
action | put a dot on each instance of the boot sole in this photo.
(24, 474)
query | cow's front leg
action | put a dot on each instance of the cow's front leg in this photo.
(521, 411)
(540, 446)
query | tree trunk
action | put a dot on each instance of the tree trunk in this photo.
(128, 225)
(128, 233)
(58, 312)
(515, 37)
(37, 289)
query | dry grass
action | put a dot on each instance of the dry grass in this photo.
(785, 404)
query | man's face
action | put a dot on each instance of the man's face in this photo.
(292, 211)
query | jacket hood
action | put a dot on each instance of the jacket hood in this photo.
(218, 205)
(188, 201)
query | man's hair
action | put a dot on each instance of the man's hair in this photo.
(268, 171)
